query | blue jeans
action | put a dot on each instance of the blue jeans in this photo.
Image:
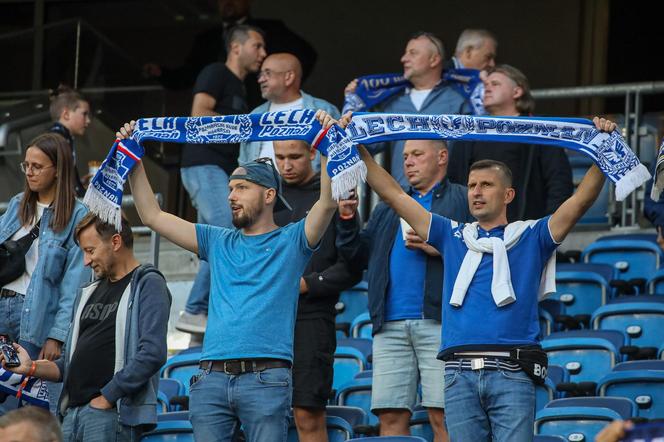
(10, 324)
(87, 424)
(259, 401)
(489, 405)
(208, 189)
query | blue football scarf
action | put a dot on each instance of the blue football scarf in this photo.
(608, 150)
(346, 170)
(34, 393)
(374, 89)
(658, 185)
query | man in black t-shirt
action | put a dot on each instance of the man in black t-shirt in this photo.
(205, 168)
(116, 343)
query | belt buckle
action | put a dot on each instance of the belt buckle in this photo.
(228, 367)
(477, 364)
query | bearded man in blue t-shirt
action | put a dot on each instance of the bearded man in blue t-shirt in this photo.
(493, 274)
(245, 373)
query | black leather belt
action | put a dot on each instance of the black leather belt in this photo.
(6, 293)
(240, 366)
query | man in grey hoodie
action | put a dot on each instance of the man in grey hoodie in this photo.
(116, 343)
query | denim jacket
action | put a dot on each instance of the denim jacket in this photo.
(59, 272)
(141, 326)
(249, 151)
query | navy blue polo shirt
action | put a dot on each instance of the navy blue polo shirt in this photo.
(479, 321)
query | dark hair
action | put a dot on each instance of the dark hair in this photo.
(494, 164)
(240, 33)
(525, 104)
(437, 42)
(41, 421)
(63, 98)
(56, 148)
(106, 230)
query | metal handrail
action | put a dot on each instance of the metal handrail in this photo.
(84, 91)
(128, 201)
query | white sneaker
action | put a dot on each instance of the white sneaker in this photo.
(189, 323)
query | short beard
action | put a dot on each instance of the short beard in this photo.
(247, 219)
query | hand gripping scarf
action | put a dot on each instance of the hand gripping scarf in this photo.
(346, 170)
(34, 393)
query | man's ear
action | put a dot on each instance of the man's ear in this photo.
(270, 195)
(517, 92)
(510, 193)
(116, 242)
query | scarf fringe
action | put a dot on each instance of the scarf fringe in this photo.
(348, 179)
(631, 181)
(106, 210)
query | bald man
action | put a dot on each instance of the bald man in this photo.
(405, 301)
(280, 79)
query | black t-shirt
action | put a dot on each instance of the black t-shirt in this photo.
(228, 90)
(92, 365)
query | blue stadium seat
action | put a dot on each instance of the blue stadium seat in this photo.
(547, 323)
(549, 310)
(357, 393)
(633, 258)
(586, 354)
(606, 271)
(348, 361)
(163, 404)
(656, 283)
(652, 237)
(173, 416)
(420, 425)
(547, 392)
(581, 419)
(364, 374)
(361, 326)
(581, 292)
(353, 415)
(338, 430)
(182, 367)
(170, 431)
(640, 317)
(352, 302)
(389, 439)
(171, 387)
(365, 346)
(640, 381)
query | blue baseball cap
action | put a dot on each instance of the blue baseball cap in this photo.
(263, 173)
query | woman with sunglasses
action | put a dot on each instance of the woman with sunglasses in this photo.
(35, 308)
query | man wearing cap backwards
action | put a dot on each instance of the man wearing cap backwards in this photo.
(245, 375)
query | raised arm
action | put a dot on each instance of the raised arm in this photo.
(321, 213)
(177, 230)
(567, 215)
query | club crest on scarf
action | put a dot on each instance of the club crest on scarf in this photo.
(35, 391)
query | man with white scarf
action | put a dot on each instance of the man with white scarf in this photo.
(494, 274)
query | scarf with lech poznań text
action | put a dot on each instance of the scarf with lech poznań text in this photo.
(35, 391)
(346, 170)
(374, 89)
(608, 150)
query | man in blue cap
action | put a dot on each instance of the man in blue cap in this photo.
(255, 272)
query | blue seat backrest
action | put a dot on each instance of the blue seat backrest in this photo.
(170, 431)
(644, 387)
(640, 365)
(357, 393)
(361, 326)
(365, 346)
(542, 438)
(348, 361)
(171, 387)
(642, 319)
(352, 303)
(623, 406)
(634, 258)
(656, 283)
(353, 415)
(606, 271)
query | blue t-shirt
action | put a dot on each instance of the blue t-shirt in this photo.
(255, 284)
(405, 291)
(479, 321)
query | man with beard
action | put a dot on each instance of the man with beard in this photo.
(255, 272)
(326, 275)
(205, 167)
(116, 343)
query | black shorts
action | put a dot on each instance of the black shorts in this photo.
(313, 360)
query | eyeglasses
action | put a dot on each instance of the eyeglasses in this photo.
(269, 74)
(36, 169)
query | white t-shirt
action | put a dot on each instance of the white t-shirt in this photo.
(417, 96)
(21, 284)
(267, 148)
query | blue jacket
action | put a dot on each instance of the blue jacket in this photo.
(371, 248)
(140, 346)
(250, 151)
(59, 272)
(443, 99)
